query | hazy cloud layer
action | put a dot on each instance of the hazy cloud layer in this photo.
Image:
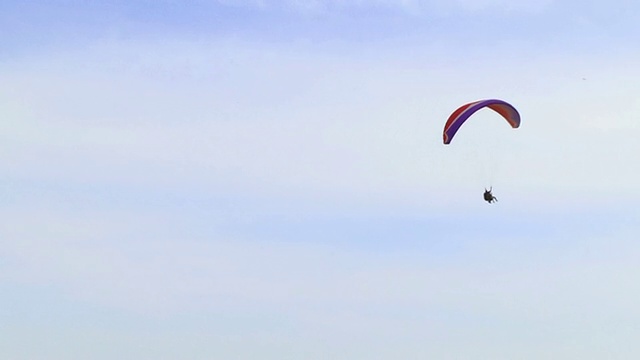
(226, 115)
(225, 198)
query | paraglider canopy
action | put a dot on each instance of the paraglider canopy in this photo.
(458, 117)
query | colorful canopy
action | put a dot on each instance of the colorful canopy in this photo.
(461, 115)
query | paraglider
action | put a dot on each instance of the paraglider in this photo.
(488, 196)
(460, 115)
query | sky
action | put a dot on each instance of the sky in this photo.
(222, 179)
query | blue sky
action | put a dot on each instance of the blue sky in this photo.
(266, 180)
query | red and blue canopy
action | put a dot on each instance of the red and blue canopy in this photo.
(461, 115)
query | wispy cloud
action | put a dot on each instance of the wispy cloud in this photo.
(406, 6)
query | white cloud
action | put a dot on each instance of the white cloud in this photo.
(498, 297)
(157, 261)
(266, 119)
(504, 6)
